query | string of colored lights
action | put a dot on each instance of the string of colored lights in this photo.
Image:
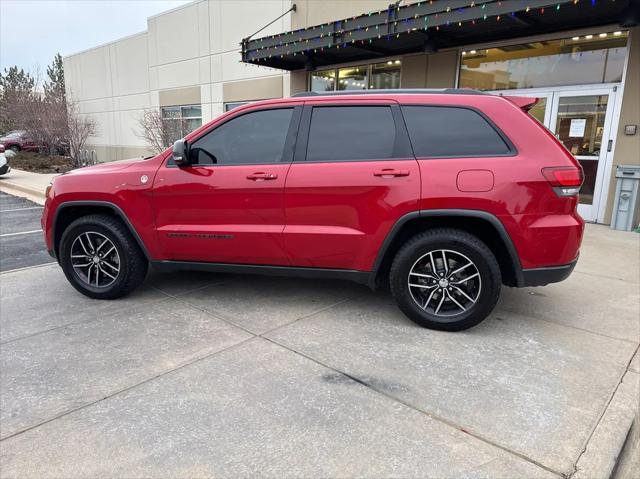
(407, 25)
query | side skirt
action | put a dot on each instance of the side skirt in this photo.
(362, 277)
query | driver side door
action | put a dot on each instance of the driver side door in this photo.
(227, 205)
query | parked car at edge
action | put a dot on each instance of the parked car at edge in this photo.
(18, 140)
(446, 195)
(4, 166)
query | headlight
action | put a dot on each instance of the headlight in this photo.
(48, 190)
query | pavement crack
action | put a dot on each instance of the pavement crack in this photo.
(597, 423)
(430, 415)
(128, 388)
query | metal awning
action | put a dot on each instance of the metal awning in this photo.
(428, 26)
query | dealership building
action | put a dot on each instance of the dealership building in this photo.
(581, 58)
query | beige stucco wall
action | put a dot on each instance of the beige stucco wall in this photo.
(180, 96)
(110, 83)
(254, 89)
(185, 57)
(627, 148)
(315, 12)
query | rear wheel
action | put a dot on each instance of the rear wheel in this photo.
(445, 279)
(15, 148)
(100, 258)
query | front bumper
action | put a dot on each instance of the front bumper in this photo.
(544, 276)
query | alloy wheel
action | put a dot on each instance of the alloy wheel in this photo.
(95, 259)
(444, 283)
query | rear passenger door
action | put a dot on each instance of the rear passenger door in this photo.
(352, 177)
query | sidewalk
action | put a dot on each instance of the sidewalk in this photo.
(26, 184)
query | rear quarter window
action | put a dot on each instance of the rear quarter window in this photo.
(443, 132)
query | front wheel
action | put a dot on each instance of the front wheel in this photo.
(445, 279)
(100, 258)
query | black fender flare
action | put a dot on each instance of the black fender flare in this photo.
(492, 219)
(104, 204)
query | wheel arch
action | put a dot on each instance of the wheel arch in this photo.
(68, 212)
(481, 224)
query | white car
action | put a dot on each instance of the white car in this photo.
(4, 166)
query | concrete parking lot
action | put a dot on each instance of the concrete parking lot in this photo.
(200, 374)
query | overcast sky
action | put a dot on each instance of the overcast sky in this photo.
(33, 31)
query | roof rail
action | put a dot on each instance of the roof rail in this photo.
(412, 91)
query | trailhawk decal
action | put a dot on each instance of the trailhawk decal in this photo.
(200, 235)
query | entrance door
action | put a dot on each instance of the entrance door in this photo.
(581, 119)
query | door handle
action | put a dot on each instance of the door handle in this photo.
(390, 172)
(260, 176)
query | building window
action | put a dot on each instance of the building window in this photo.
(179, 121)
(353, 78)
(234, 104)
(586, 59)
(323, 81)
(385, 75)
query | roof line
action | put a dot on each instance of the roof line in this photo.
(409, 91)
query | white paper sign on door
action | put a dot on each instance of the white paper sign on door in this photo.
(576, 129)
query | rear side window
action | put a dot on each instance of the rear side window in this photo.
(437, 131)
(351, 133)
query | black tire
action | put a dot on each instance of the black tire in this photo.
(15, 148)
(484, 288)
(131, 260)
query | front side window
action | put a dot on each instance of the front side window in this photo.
(253, 138)
(179, 121)
(351, 133)
(437, 131)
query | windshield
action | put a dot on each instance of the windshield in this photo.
(14, 134)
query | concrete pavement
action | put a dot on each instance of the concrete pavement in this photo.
(216, 375)
(26, 184)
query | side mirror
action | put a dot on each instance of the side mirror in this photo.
(180, 153)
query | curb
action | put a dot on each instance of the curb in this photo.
(604, 449)
(30, 193)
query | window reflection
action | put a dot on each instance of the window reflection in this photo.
(352, 78)
(386, 75)
(323, 80)
(539, 109)
(571, 61)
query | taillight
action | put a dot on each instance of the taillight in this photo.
(565, 180)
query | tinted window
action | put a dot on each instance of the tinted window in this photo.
(351, 133)
(257, 137)
(451, 132)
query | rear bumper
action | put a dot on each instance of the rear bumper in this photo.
(544, 276)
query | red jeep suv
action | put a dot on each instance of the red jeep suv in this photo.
(444, 194)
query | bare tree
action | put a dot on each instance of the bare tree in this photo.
(157, 132)
(80, 128)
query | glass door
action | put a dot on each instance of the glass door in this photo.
(581, 119)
